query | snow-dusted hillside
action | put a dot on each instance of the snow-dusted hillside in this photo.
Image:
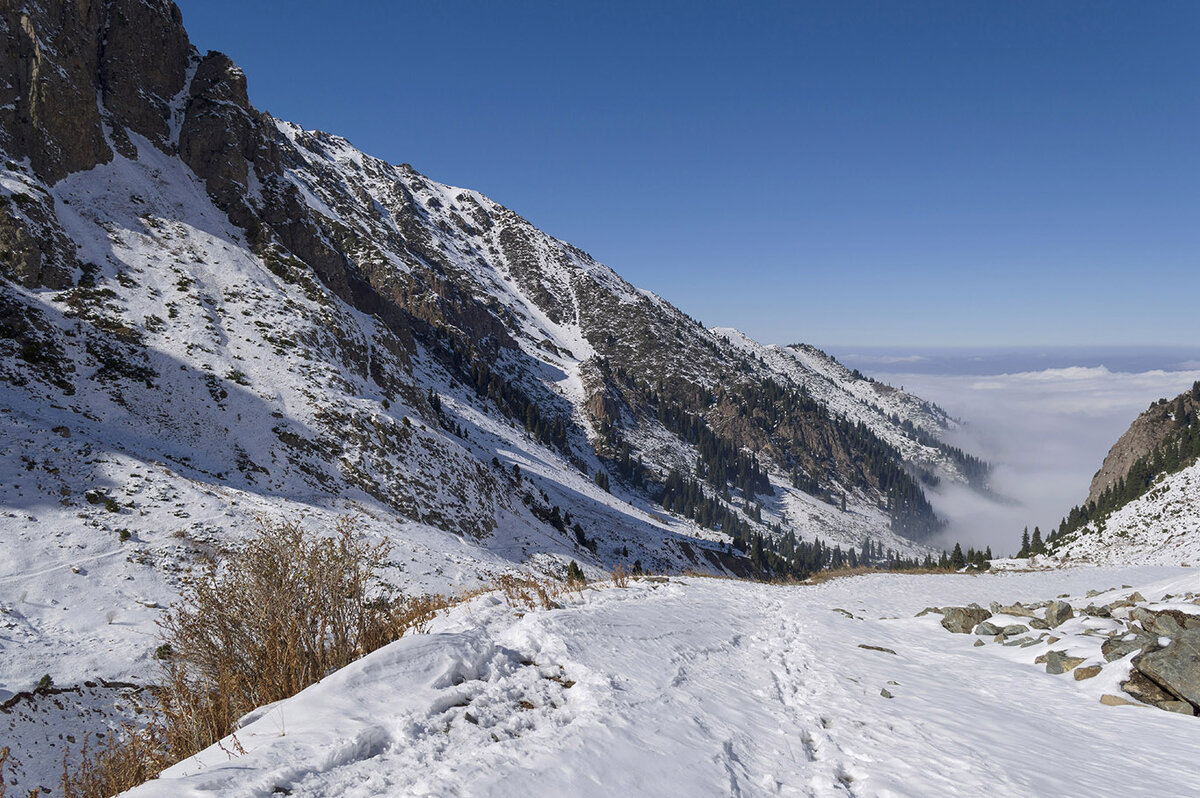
(860, 399)
(1161, 527)
(708, 687)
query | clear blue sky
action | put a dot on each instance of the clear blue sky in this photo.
(843, 173)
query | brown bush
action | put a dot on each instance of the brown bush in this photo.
(256, 628)
(528, 591)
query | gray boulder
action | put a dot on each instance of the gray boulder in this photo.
(1176, 668)
(962, 620)
(1165, 623)
(987, 628)
(1117, 647)
(1057, 612)
(1145, 689)
(1014, 629)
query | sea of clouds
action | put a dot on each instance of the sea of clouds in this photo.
(1044, 430)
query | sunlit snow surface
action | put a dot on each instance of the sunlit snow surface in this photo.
(709, 687)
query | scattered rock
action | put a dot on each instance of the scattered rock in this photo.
(1014, 629)
(1018, 609)
(847, 613)
(884, 692)
(1086, 672)
(1115, 701)
(1182, 707)
(1099, 612)
(929, 610)
(876, 648)
(978, 643)
(961, 620)
(1038, 623)
(987, 628)
(1057, 612)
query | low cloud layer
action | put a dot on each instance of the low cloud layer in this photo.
(1045, 433)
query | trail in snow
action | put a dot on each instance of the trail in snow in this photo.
(707, 687)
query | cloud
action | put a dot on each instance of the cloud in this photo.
(1045, 433)
(886, 360)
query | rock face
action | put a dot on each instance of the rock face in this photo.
(131, 55)
(1146, 432)
(962, 620)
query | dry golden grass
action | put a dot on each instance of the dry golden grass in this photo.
(125, 761)
(620, 577)
(526, 591)
(256, 628)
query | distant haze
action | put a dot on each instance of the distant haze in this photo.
(1044, 418)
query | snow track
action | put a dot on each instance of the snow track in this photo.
(707, 687)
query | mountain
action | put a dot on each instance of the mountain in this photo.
(209, 316)
(1144, 502)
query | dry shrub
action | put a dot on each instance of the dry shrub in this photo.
(530, 592)
(123, 762)
(259, 627)
(620, 577)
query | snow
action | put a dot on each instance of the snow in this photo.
(1161, 527)
(700, 687)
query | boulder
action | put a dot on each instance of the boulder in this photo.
(1038, 623)
(1115, 701)
(1175, 668)
(1143, 689)
(1182, 707)
(1117, 647)
(1014, 629)
(962, 620)
(1019, 610)
(1100, 612)
(1057, 612)
(1165, 623)
(987, 628)
(1059, 662)
(1086, 672)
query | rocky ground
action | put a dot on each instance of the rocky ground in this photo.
(1150, 650)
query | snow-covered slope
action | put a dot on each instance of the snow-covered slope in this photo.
(1144, 503)
(1161, 527)
(707, 687)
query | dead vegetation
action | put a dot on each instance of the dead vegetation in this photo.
(255, 628)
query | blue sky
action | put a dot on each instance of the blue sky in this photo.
(842, 173)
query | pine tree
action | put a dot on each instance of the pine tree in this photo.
(1024, 552)
(957, 560)
(575, 574)
(1035, 543)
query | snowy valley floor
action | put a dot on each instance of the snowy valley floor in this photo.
(700, 687)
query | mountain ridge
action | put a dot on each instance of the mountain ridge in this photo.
(209, 315)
